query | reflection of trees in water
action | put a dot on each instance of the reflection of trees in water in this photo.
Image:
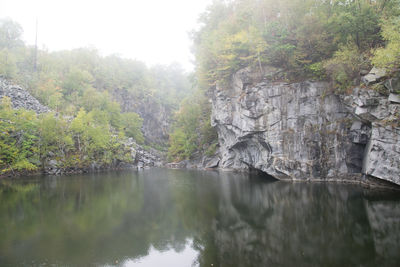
(97, 219)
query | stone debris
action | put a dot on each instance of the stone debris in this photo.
(20, 98)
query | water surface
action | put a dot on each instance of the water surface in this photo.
(165, 217)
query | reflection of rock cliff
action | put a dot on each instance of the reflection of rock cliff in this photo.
(385, 224)
(279, 224)
(301, 131)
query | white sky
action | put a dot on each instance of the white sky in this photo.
(153, 31)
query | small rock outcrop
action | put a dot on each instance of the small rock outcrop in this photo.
(141, 159)
(20, 98)
(301, 131)
(375, 75)
(201, 162)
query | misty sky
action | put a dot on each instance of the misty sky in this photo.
(153, 31)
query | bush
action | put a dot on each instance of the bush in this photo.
(344, 67)
(389, 56)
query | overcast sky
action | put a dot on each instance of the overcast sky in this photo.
(153, 31)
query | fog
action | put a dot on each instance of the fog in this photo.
(153, 31)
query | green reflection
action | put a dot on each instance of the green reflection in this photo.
(229, 219)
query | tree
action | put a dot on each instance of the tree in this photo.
(389, 56)
(132, 126)
(10, 34)
(18, 130)
(54, 136)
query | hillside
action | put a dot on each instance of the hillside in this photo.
(303, 90)
(93, 112)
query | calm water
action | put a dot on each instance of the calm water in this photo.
(190, 218)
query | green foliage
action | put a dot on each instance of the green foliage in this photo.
(76, 82)
(92, 135)
(345, 65)
(192, 131)
(179, 147)
(18, 136)
(389, 56)
(27, 140)
(54, 136)
(295, 35)
(183, 140)
(8, 66)
(132, 124)
(69, 80)
(317, 70)
(82, 88)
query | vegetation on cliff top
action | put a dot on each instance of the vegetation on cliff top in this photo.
(306, 38)
(331, 40)
(317, 39)
(67, 81)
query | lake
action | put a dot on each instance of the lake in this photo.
(163, 217)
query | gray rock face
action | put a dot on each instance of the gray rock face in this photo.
(394, 98)
(20, 98)
(382, 154)
(210, 162)
(382, 158)
(299, 132)
(141, 158)
(393, 85)
(290, 131)
(156, 117)
(200, 162)
(374, 76)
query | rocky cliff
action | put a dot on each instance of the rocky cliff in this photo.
(156, 117)
(303, 131)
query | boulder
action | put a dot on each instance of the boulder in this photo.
(393, 85)
(395, 98)
(211, 162)
(374, 76)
